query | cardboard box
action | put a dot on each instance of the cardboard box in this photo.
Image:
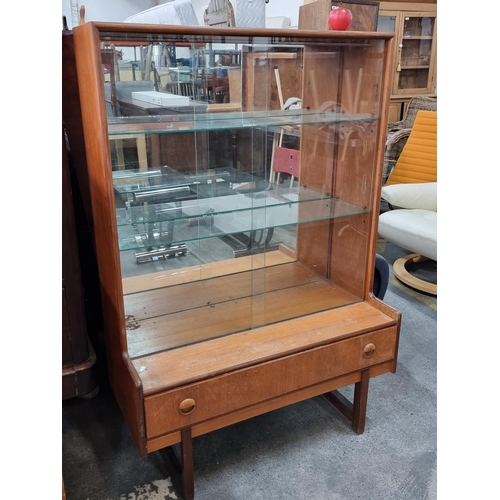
(161, 98)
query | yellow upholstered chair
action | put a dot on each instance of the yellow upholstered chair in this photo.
(417, 162)
(411, 192)
(418, 159)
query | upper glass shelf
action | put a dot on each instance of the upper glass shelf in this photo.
(202, 122)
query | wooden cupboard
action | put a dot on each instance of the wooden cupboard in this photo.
(200, 332)
(78, 355)
(415, 26)
(415, 57)
(81, 305)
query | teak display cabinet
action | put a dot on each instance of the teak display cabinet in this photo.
(225, 294)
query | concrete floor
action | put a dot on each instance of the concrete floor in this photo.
(305, 451)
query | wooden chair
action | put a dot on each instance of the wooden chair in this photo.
(285, 161)
(110, 64)
(181, 88)
(123, 90)
(219, 13)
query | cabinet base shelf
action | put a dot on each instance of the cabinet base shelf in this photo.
(169, 318)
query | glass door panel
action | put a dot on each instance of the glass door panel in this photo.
(207, 236)
(386, 24)
(416, 53)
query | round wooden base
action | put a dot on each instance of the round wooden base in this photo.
(403, 275)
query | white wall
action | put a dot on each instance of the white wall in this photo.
(288, 8)
(118, 10)
(107, 10)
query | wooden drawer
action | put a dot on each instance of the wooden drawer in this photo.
(217, 396)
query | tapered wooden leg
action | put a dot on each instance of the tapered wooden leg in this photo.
(360, 402)
(187, 464)
(355, 411)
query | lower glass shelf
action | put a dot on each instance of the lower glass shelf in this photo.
(189, 220)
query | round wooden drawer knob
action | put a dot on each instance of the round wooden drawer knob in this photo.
(187, 406)
(368, 350)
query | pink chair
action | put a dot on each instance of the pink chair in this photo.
(285, 161)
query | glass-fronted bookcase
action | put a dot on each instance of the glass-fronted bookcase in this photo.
(235, 182)
(415, 28)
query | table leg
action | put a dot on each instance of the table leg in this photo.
(355, 411)
(187, 463)
(360, 402)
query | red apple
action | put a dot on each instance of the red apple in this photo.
(340, 18)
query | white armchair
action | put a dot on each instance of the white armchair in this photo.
(411, 225)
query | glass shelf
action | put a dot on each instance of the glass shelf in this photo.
(190, 220)
(416, 37)
(149, 185)
(203, 122)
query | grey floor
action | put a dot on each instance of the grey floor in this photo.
(305, 451)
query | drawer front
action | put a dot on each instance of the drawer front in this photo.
(217, 396)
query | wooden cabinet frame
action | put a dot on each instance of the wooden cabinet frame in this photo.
(173, 395)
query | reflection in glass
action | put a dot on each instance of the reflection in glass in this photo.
(196, 131)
